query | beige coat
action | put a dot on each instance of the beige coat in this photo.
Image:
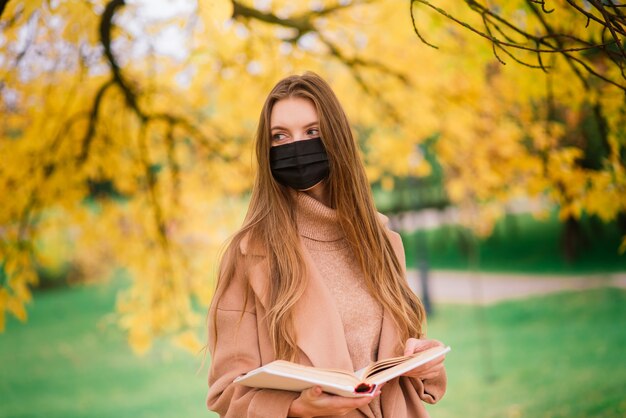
(243, 344)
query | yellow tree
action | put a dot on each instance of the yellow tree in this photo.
(552, 123)
(130, 132)
(128, 129)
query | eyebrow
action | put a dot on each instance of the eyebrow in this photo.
(308, 125)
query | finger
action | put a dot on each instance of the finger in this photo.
(410, 346)
(426, 344)
(429, 365)
(312, 393)
(438, 343)
(333, 404)
(435, 362)
(428, 373)
(425, 370)
(363, 401)
(414, 345)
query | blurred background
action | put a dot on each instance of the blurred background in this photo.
(494, 135)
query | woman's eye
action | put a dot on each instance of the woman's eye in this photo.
(313, 132)
(278, 137)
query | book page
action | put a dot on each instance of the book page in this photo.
(288, 368)
(294, 377)
(388, 370)
(383, 364)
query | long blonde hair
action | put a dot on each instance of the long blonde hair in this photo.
(271, 223)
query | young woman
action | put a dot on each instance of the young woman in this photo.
(314, 276)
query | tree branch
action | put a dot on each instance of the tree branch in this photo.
(612, 21)
(130, 94)
(552, 34)
(612, 26)
(305, 23)
(301, 24)
(3, 4)
(106, 25)
(159, 219)
(93, 119)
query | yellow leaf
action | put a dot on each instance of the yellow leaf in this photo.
(4, 298)
(188, 341)
(16, 307)
(215, 12)
(387, 183)
(140, 341)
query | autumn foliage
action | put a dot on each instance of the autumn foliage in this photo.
(127, 128)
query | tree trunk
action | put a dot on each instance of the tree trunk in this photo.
(572, 239)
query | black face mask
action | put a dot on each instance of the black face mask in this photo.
(299, 164)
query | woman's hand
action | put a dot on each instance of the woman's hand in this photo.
(429, 370)
(314, 403)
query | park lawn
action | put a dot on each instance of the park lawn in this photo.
(519, 244)
(554, 356)
(71, 360)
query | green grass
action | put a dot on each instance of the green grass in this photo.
(519, 244)
(70, 360)
(554, 356)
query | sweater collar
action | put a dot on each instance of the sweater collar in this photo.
(316, 220)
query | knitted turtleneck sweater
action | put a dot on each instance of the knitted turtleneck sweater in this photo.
(360, 313)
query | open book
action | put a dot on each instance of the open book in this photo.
(286, 375)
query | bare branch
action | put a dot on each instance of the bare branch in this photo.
(417, 32)
(589, 16)
(519, 61)
(493, 45)
(542, 3)
(612, 26)
(551, 43)
(557, 39)
(501, 42)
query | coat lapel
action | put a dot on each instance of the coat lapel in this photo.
(318, 325)
(388, 347)
(389, 342)
(324, 341)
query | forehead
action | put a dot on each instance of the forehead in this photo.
(293, 112)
